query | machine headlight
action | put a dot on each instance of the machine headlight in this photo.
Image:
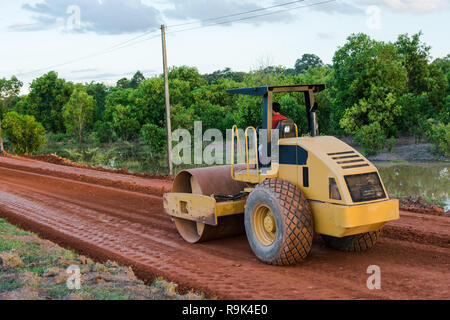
(365, 187)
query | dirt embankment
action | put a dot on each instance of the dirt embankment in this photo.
(420, 205)
(78, 172)
(55, 159)
(110, 223)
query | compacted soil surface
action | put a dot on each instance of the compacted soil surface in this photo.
(111, 216)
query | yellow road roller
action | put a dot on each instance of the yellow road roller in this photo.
(318, 184)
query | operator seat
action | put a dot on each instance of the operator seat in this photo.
(287, 129)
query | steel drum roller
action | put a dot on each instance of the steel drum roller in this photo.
(209, 181)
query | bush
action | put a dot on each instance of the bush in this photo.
(104, 131)
(371, 137)
(23, 132)
(439, 135)
(413, 118)
(124, 123)
(58, 137)
(391, 144)
(155, 137)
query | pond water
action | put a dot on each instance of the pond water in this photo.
(430, 180)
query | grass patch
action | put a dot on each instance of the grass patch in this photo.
(7, 285)
(400, 161)
(435, 202)
(30, 264)
(9, 244)
(109, 294)
(57, 291)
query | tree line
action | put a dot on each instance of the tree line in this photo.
(376, 91)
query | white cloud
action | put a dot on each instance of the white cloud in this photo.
(419, 6)
(340, 7)
(103, 17)
(207, 9)
(325, 35)
(415, 6)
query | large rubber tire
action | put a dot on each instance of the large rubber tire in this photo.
(355, 243)
(292, 215)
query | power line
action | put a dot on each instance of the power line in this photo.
(236, 14)
(131, 41)
(105, 51)
(253, 17)
(135, 40)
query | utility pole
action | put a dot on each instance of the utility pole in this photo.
(166, 91)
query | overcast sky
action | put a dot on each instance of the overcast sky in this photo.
(42, 35)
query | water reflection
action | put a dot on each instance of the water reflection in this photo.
(417, 179)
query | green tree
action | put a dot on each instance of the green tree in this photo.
(78, 113)
(371, 137)
(212, 104)
(123, 83)
(439, 134)
(422, 76)
(381, 107)
(9, 90)
(48, 95)
(155, 137)
(362, 68)
(226, 73)
(412, 119)
(372, 120)
(104, 131)
(322, 74)
(188, 74)
(148, 98)
(23, 132)
(416, 55)
(99, 91)
(307, 61)
(137, 79)
(125, 123)
(436, 89)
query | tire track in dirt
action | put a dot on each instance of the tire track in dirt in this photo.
(130, 227)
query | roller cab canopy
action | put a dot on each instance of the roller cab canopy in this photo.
(267, 94)
(261, 91)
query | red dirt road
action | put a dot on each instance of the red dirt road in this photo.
(96, 214)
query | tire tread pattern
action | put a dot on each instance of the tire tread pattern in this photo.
(297, 218)
(354, 243)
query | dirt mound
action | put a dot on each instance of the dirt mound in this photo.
(420, 205)
(55, 159)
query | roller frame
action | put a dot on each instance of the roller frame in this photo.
(200, 208)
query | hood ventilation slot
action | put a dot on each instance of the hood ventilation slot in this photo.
(348, 159)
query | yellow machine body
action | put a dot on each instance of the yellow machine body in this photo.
(330, 158)
(344, 189)
(322, 158)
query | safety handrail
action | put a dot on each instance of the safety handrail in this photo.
(296, 130)
(234, 131)
(247, 151)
